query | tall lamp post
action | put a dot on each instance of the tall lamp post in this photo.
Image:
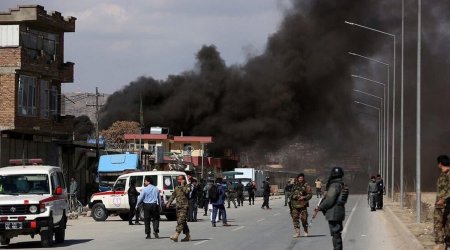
(385, 167)
(393, 101)
(379, 132)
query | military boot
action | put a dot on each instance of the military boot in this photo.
(187, 238)
(174, 236)
(297, 233)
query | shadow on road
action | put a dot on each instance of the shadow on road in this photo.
(37, 244)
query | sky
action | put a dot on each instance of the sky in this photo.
(117, 41)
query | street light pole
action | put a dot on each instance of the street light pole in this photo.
(393, 103)
(379, 139)
(418, 166)
(384, 169)
(401, 108)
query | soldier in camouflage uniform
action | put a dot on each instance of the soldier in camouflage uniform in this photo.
(443, 192)
(181, 194)
(301, 193)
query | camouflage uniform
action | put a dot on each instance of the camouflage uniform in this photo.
(299, 207)
(443, 192)
(181, 194)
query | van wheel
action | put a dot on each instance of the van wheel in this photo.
(171, 217)
(47, 235)
(4, 240)
(60, 232)
(124, 216)
(99, 212)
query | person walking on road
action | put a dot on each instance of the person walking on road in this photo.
(240, 193)
(206, 197)
(193, 196)
(217, 199)
(333, 205)
(318, 188)
(266, 194)
(301, 193)
(152, 204)
(231, 194)
(372, 192)
(381, 190)
(133, 195)
(251, 193)
(287, 192)
(442, 193)
(181, 194)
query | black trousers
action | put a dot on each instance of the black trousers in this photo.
(151, 213)
(192, 211)
(266, 201)
(336, 232)
(133, 212)
(251, 197)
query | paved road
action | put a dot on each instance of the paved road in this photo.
(252, 228)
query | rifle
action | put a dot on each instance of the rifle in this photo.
(316, 210)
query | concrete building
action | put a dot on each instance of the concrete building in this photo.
(32, 69)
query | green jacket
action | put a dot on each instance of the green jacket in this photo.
(298, 190)
(329, 206)
(181, 194)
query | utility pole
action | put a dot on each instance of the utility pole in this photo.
(96, 105)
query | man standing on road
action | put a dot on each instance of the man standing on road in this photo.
(206, 197)
(266, 194)
(132, 201)
(73, 187)
(240, 193)
(318, 188)
(251, 193)
(218, 202)
(151, 199)
(333, 207)
(287, 192)
(193, 195)
(301, 193)
(181, 194)
(381, 189)
(442, 193)
(372, 192)
(231, 194)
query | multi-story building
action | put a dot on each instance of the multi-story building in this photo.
(32, 69)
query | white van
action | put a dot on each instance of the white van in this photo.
(116, 201)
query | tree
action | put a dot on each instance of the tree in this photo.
(83, 127)
(114, 135)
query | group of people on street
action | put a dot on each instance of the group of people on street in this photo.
(375, 192)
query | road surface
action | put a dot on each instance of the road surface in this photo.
(252, 228)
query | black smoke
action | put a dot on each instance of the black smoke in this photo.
(300, 86)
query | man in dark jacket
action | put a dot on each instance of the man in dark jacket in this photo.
(240, 193)
(193, 195)
(381, 190)
(219, 204)
(333, 210)
(266, 194)
(132, 200)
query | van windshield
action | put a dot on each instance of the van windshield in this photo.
(24, 184)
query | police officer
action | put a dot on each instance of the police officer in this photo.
(231, 194)
(333, 210)
(372, 192)
(240, 193)
(381, 189)
(181, 194)
(301, 193)
(266, 194)
(443, 192)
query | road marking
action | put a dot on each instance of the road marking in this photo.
(260, 220)
(135, 230)
(238, 228)
(344, 232)
(276, 214)
(201, 242)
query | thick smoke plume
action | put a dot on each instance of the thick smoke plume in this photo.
(301, 86)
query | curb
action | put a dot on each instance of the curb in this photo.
(409, 238)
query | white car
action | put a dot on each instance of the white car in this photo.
(33, 200)
(116, 201)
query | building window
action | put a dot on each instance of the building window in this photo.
(54, 101)
(44, 100)
(26, 96)
(38, 43)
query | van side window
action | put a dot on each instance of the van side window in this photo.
(55, 182)
(174, 181)
(138, 179)
(154, 179)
